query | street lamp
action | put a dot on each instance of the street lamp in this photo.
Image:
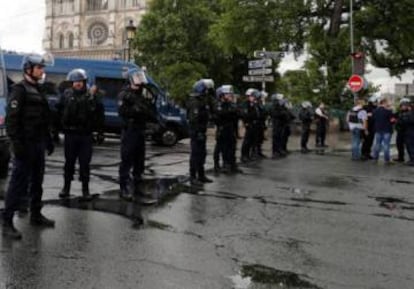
(130, 35)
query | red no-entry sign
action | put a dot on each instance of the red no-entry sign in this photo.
(356, 83)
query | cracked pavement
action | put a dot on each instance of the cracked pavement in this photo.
(307, 221)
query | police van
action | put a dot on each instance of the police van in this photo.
(109, 77)
(4, 141)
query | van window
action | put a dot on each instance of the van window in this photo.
(111, 86)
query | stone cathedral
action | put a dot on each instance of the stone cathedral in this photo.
(90, 28)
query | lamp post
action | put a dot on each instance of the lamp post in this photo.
(130, 34)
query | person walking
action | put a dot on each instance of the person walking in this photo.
(82, 114)
(135, 110)
(383, 130)
(28, 127)
(358, 125)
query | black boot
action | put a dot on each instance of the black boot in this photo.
(125, 194)
(65, 193)
(85, 191)
(202, 177)
(37, 219)
(9, 231)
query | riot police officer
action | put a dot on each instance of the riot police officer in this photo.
(82, 113)
(280, 121)
(135, 110)
(405, 125)
(261, 125)
(250, 115)
(225, 115)
(27, 124)
(305, 116)
(400, 128)
(199, 109)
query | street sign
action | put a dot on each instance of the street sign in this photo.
(259, 71)
(356, 83)
(269, 54)
(260, 63)
(251, 78)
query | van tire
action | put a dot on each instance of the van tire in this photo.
(168, 137)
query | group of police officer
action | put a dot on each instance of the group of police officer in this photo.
(206, 104)
(81, 114)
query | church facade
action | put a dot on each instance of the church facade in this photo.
(90, 28)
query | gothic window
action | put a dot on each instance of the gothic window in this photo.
(133, 3)
(61, 41)
(70, 40)
(98, 33)
(63, 6)
(94, 5)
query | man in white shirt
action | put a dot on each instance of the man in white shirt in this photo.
(357, 120)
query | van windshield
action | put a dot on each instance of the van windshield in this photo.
(3, 81)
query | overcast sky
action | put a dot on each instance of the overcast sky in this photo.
(22, 25)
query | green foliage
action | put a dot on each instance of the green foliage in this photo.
(181, 41)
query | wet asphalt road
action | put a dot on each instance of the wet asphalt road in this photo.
(307, 221)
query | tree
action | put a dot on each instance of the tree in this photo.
(387, 30)
(172, 42)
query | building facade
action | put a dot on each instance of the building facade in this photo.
(90, 28)
(404, 89)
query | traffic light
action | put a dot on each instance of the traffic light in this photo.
(358, 59)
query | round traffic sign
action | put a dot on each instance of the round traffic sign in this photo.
(356, 83)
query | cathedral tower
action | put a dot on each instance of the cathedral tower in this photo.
(90, 28)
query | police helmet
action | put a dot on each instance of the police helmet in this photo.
(277, 96)
(224, 89)
(136, 76)
(30, 60)
(76, 75)
(252, 92)
(404, 100)
(306, 104)
(202, 86)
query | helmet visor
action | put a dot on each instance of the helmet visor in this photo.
(138, 78)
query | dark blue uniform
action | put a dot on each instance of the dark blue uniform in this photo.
(135, 111)
(28, 128)
(406, 123)
(280, 122)
(226, 135)
(251, 117)
(306, 116)
(198, 113)
(82, 114)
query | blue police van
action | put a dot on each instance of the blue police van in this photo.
(110, 77)
(4, 141)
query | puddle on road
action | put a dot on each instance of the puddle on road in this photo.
(263, 277)
(392, 203)
(162, 190)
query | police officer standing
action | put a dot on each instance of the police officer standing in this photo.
(400, 128)
(225, 112)
(321, 125)
(280, 121)
(82, 114)
(405, 126)
(250, 115)
(28, 126)
(305, 116)
(199, 106)
(135, 110)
